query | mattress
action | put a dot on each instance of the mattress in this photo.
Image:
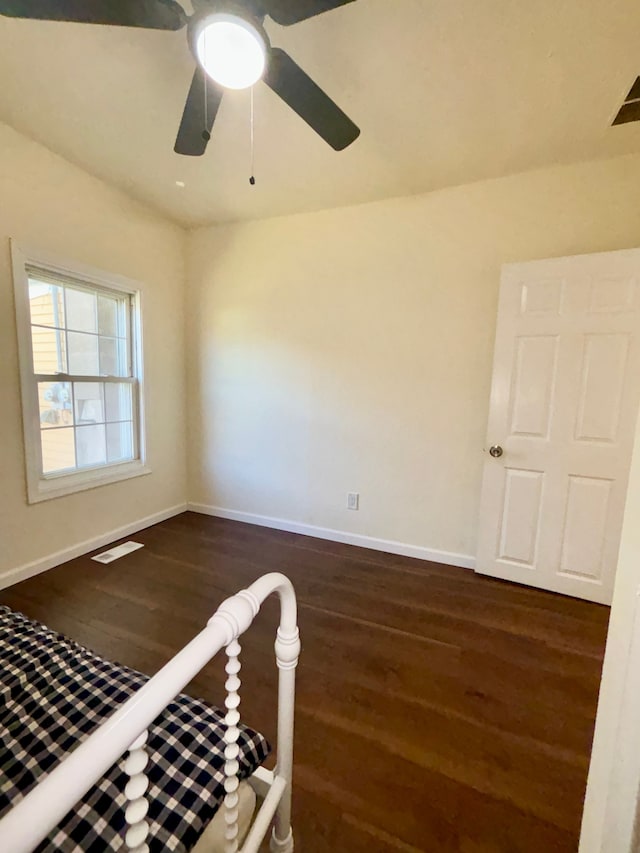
(54, 693)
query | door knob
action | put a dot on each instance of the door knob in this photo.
(496, 451)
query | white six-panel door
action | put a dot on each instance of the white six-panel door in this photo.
(564, 402)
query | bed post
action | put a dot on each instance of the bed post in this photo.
(287, 648)
(238, 613)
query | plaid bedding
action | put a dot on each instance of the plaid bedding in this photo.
(54, 692)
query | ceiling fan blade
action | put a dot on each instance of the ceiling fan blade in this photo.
(152, 14)
(306, 98)
(197, 119)
(287, 12)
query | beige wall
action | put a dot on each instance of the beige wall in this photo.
(49, 204)
(342, 350)
(351, 349)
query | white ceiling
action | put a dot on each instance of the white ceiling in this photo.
(445, 92)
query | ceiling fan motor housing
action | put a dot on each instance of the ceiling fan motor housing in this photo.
(232, 9)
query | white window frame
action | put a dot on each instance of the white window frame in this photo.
(41, 487)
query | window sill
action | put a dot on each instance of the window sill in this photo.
(45, 489)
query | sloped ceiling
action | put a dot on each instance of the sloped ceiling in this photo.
(445, 92)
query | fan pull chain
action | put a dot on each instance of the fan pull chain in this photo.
(252, 179)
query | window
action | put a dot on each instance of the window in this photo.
(79, 336)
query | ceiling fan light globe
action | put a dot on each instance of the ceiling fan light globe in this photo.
(231, 51)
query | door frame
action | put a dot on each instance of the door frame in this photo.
(610, 818)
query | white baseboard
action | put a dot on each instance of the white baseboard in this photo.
(28, 570)
(390, 546)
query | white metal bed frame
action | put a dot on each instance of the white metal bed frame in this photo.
(31, 820)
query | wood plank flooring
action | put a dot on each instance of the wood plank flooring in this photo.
(437, 710)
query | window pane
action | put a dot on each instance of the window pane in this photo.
(48, 350)
(118, 400)
(89, 402)
(90, 445)
(113, 357)
(119, 442)
(81, 310)
(109, 312)
(83, 354)
(46, 302)
(55, 404)
(58, 449)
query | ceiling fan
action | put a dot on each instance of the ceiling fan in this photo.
(231, 48)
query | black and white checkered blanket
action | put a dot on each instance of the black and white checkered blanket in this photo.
(54, 692)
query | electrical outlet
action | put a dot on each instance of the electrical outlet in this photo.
(353, 500)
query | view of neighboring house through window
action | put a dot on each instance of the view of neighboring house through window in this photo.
(81, 385)
(77, 333)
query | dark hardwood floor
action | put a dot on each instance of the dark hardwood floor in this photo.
(437, 710)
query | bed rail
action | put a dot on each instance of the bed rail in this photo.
(31, 820)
